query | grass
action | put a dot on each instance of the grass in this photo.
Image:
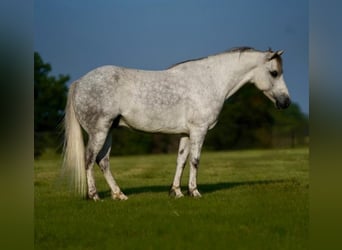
(255, 199)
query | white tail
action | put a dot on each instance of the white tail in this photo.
(74, 157)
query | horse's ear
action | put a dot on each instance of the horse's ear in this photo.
(273, 55)
(280, 52)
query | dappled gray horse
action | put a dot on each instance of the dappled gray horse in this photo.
(184, 99)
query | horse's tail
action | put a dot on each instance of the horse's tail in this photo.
(74, 156)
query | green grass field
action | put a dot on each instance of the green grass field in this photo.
(254, 199)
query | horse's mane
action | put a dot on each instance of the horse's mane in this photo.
(191, 60)
(240, 49)
(235, 49)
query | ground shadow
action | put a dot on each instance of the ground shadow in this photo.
(204, 188)
(137, 190)
(212, 187)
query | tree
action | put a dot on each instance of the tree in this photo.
(249, 120)
(291, 127)
(49, 103)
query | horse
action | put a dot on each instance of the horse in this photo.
(184, 99)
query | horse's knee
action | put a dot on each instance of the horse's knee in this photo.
(89, 159)
(195, 162)
(104, 164)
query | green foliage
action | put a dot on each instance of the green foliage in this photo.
(127, 142)
(249, 120)
(252, 199)
(49, 102)
(49, 95)
(291, 127)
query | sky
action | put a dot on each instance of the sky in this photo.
(76, 36)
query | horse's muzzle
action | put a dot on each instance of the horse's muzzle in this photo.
(283, 102)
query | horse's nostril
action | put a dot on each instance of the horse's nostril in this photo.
(287, 102)
(283, 103)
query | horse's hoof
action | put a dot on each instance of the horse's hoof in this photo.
(119, 196)
(95, 197)
(175, 192)
(194, 193)
(176, 195)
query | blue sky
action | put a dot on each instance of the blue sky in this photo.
(76, 36)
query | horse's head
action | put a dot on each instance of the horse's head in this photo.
(268, 77)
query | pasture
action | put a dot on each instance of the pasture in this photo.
(253, 199)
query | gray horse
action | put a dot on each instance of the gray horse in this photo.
(184, 99)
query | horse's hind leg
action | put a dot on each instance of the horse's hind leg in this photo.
(95, 143)
(97, 137)
(102, 160)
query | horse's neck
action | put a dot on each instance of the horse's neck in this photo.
(233, 70)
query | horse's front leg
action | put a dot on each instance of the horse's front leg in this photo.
(196, 141)
(183, 153)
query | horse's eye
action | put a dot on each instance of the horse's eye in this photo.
(274, 73)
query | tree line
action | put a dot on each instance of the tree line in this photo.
(248, 120)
